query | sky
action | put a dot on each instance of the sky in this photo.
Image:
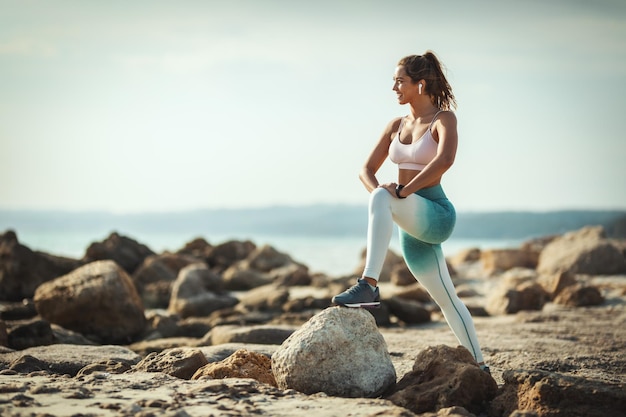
(157, 106)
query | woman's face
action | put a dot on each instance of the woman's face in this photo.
(404, 86)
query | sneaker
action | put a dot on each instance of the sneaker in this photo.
(359, 295)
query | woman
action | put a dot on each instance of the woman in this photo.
(423, 144)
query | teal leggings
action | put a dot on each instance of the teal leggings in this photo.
(425, 219)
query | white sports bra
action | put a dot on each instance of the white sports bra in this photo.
(414, 155)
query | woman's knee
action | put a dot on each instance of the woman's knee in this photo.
(380, 197)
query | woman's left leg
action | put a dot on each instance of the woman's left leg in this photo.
(428, 264)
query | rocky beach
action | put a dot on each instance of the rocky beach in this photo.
(236, 329)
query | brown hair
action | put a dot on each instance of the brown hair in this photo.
(427, 67)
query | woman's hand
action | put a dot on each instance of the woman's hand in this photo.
(390, 187)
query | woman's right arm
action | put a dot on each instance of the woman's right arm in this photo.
(378, 156)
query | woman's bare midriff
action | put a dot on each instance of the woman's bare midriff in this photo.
(406, 175)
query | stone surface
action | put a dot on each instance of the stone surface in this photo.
(23, 270)
(408, 311)
(241, 364)
(579, 295)
(98, 300)
(550, 394)
(511, 297)
(69, 359)
(499, 260)
(196, 292)
(442, 377)
(261, 334)
(339, 352)
(126, 252)
(29, 333)
(584, 251)
(181, 363)
(265, 298)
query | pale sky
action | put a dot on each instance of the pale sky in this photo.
(131, 106)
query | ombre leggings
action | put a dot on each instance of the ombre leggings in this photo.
(425, 219)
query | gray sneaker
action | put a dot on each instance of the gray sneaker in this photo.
(359, 295)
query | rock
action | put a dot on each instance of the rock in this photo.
(240, 277)
(339, 352)
(98, 300)
(410, 312)
(161, 323)
(69, 359)
(107, 366)
(495, 261)
(4, 338)
(450, 412)
(29, 333)
(290, 275)
(512, 296)
(68, 337)
(222, 256)
(585, 251)
(391, 260)
(266, 258)
(126, 252)
(465, 256)
(178, 362)
(262, 334)
(198, 248)
(579, 295)
(148, 346)
(23, 270)
(443, 377)
(265, 298)
(218, 353)
(22, 310)
(415, 292)
(241, 364)
(194, 292)
(401, 276)
(154, 277)
(556, 282)
(550, 394)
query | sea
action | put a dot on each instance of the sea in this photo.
(331, 255)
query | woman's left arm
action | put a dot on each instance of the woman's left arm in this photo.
(445, 133)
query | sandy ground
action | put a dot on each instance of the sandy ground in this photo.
(583, 342)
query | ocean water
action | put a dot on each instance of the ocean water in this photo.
(331, 255)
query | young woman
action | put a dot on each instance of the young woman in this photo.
(423, 145)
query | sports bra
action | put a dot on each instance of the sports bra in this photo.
(414, 155)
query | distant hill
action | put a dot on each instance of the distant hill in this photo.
(314, 220)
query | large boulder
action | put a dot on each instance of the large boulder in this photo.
(585, 251)
(98, 300)
(340, 352)
(443, 377)
(23, 270)
(126, 252)
(196, 292)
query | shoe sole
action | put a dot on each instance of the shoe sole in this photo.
(374, 304)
